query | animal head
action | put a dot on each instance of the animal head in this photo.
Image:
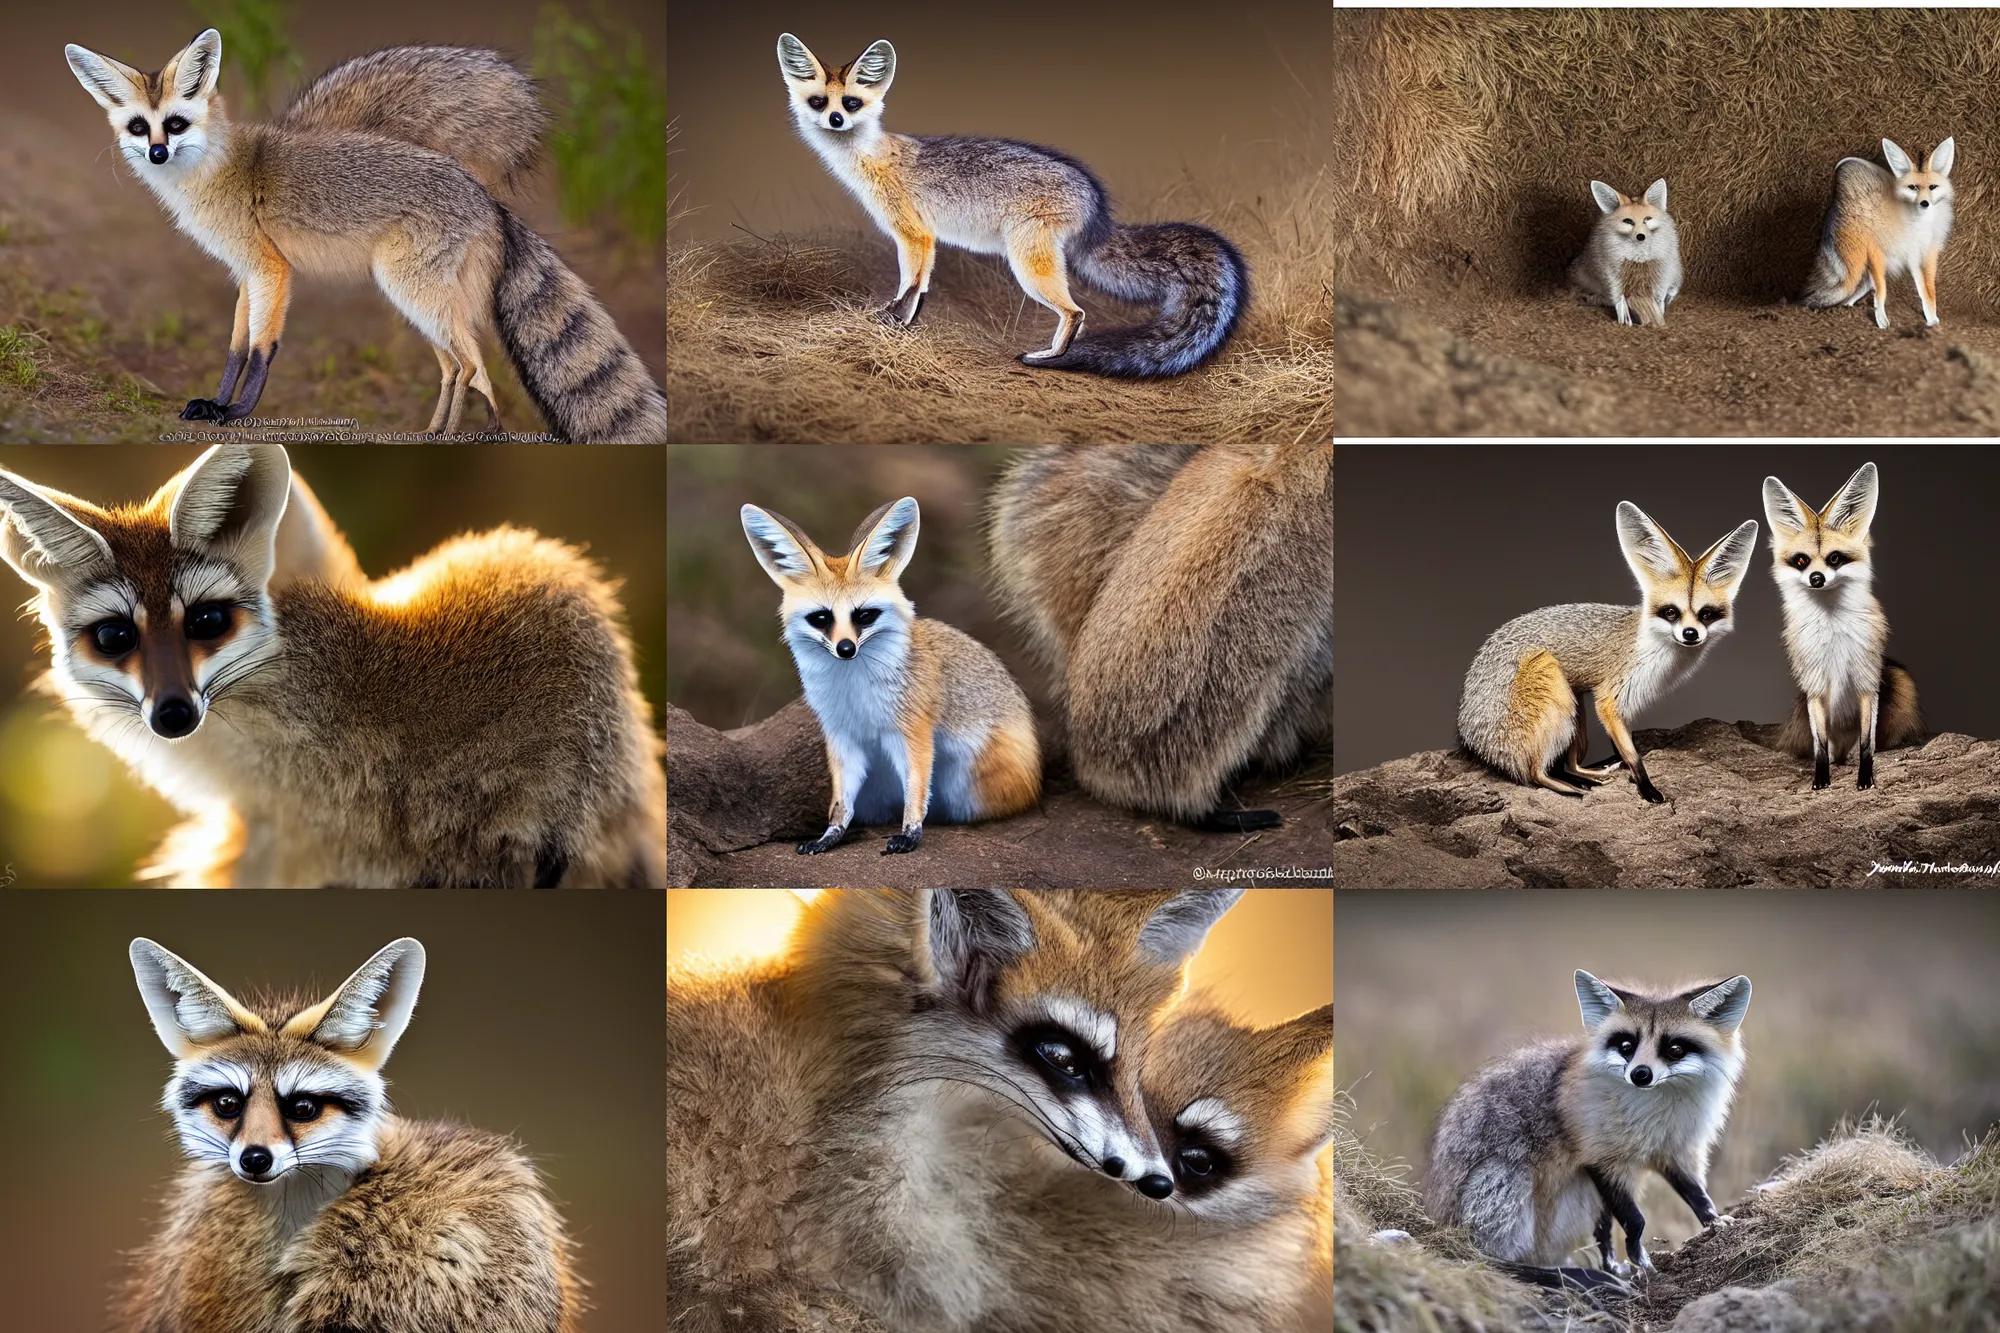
(165, 122)
(840, 604)
(1043, 999)
(286, 1087)
(842, 100)
(1687, 597)
(1635, 222)
(1924, 186)
(1680, 1040)
(156, 612)
(1818, 549)
(1241, 1111)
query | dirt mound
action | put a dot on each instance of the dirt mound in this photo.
(739, 801)
(1738, 814)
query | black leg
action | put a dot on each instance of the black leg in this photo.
(825, 842)
(1692, 1193)
(1604, 1252)
(906, 841)
(253, 385)
(1646, 787)
(1822, 767)
(1625, 1208)
(1866, 779)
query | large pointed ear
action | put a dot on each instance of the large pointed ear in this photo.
(114, 86)
(365, 1018)
(796, 62)
(44, 542)
(1304, 1046)
(1656, 194)
(230, 502)
(1723, 1005)
(1898, 160)
(965, 937)
(1852, 509)
(1724, 564)
(1941, 156)
(1178, 926)
(874, 68)
(193, 71)
(1650, 552)
(781, 546)
(1607, 198)
(1783, 508)
(886, 539)
(1597, 1000)
(189, 1011)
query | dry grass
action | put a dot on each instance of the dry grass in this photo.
(1471, 136)
(774, 339)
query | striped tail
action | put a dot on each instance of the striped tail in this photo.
(1194, 275)
(588, 382)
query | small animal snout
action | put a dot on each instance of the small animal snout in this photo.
(1817, 579)
(1923, 203)
(1638, 235)
(1642, 1076)
(1690, 635)
(174, 717)
(1114, 1167)
(846, 648)
(1155, 1186)
(835, 120)
(256, 1160)
(157, 154)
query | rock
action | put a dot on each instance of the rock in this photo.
(1738, 813)
(1745, 1310)
(739, 801)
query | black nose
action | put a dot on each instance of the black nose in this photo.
(1640, 236)
(1923, 203)
(1690, 635)
(1155, 1186)
(256, 1160)
(174, 717)
(157, 153)
(1817, 579)
(835, 120)
(846, 648)
(1114, 1166)
(1642, 1077)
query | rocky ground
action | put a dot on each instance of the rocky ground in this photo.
(739, 801)
(1738, 814)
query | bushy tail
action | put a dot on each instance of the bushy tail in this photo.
(589, 383)
(1828, 283)
(1196, 278)
(1899, 720)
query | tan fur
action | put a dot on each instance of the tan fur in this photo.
(1191, 641)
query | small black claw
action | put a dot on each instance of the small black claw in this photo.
(204, 409)
(1822, 774)
(1866, 777)
(825, 842)
(906, 841)
(1646, 787)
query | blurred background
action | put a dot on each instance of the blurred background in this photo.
(70, 813)
(728, 667)
(1862, 1003)
(540, 1018)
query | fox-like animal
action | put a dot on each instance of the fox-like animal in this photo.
(1550, 1144)
(1522, 709)
(1835, 632)
(1881, 224)
(307, 1205)
(1633, 260)
(845, 1117)
(1181, 599)
(471, 721)
(921, 720)
(327, 191)
(1243, 1244)
(1043, 210)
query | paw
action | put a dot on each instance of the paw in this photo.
(825, 842)
(1047, 353)
(890, 314)
(1864, 782)
(1821, 781)
(204, 409)
(906, 841)
(1722, 1220)
(1648, 792)
(1881, 319)
(236, 412)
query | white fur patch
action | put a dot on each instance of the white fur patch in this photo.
(1210, 1114)
(1098, 1028)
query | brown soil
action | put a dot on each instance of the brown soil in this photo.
(739, 802)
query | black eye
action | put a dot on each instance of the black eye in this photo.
(867, 616)
(1058, 1056)
(136, 125)
(851, 103)
(1670, 614)
(816, 103)
(1801, 561)
(1836, 560)
(1709, 615)
(1674, 1050)
(1196, 1161)
(1624, 1045)
(227, 1105)
(303, 1108)
(208, 620)
(820, 620)
(115, 637)
(176, 125)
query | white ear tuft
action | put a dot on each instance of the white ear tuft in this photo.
(1656, 194)
(1726, 563)
(189, 1011)
(781, 548)
(1607, 198)
(231, 501)
(887, 539)
(795, 61)
(41, 539)
(111, 84)
(1178, 926)
(876, 67)
(193, 72)
(1898, 160)
(1723, 1005)
(1784, 509)
(1597, 1000)
(1852, 509)
(1941, 156)
(1649, 551)
(365, 1018)
(964, 936)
